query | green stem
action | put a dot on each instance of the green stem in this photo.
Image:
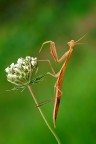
(45, 120)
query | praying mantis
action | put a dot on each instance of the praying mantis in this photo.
(60, 74)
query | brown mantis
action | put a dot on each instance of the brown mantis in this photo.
(60, 74)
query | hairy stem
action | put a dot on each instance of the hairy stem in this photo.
(45, 120)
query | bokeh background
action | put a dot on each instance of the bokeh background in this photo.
(24, 26)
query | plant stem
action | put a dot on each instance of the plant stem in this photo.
(45, 120)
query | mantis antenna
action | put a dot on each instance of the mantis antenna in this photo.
(81, 39)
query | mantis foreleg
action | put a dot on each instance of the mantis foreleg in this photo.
(54, 52)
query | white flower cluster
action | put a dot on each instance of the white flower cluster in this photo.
(20, 73)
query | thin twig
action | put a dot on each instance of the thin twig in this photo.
(45, 120)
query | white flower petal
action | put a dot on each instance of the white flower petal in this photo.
(12, 65)
(34, 61)
(7, 70)
(20, 61)
(28, 58)
(17, 65)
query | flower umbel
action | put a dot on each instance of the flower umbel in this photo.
(20, 73)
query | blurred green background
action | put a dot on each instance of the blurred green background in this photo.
(24, 26)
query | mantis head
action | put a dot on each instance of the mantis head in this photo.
(72, 43)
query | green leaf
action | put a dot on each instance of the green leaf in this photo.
(37, 79)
